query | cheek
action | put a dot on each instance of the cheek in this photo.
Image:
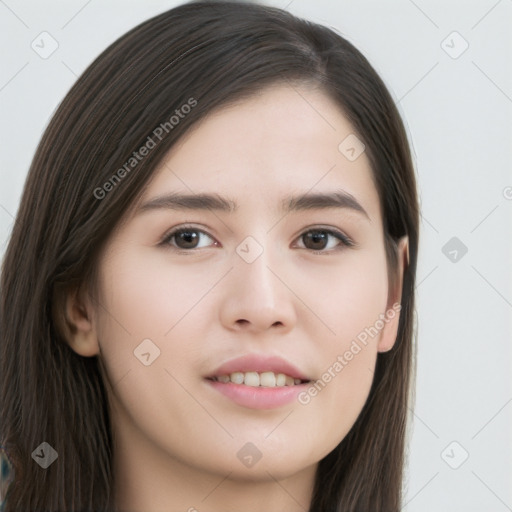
(356, 296)
(149, 339)
(146, 299)
(148, 296)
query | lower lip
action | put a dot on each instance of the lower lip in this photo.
(258, 397)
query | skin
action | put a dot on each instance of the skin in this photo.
(176, 439)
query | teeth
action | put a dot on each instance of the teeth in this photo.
(280, 379)
(255, 379)
(268, 379)
(237, 377)
(252, 379)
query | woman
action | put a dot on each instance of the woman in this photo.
(207, 301)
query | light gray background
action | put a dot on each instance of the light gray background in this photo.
(458, 113)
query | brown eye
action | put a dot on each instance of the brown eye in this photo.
(316, 240)
(185, 238)
(319, 240)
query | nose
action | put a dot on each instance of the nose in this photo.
(257, 297)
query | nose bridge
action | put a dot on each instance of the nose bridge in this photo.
(255, 258)
(256, 295)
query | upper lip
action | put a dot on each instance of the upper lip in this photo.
(258, 363)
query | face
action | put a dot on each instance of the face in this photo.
(277, 283)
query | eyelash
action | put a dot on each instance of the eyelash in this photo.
(345, 240)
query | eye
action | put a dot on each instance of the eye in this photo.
(185, 238)
(318, 240)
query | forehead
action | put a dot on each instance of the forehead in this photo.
(282, 141)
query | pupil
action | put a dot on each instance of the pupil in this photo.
(189, 237)
(317, 237)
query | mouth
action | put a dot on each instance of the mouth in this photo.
(266, 379)
(258, 382)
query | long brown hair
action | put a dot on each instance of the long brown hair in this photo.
(215, 53)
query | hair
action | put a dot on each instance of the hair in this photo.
(206, 55)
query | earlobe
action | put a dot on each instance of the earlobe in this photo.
(81, 335)
(392, 316)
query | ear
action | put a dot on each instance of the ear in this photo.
(390, 330)
(80, 332)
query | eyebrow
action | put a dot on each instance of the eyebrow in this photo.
(302, 202)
